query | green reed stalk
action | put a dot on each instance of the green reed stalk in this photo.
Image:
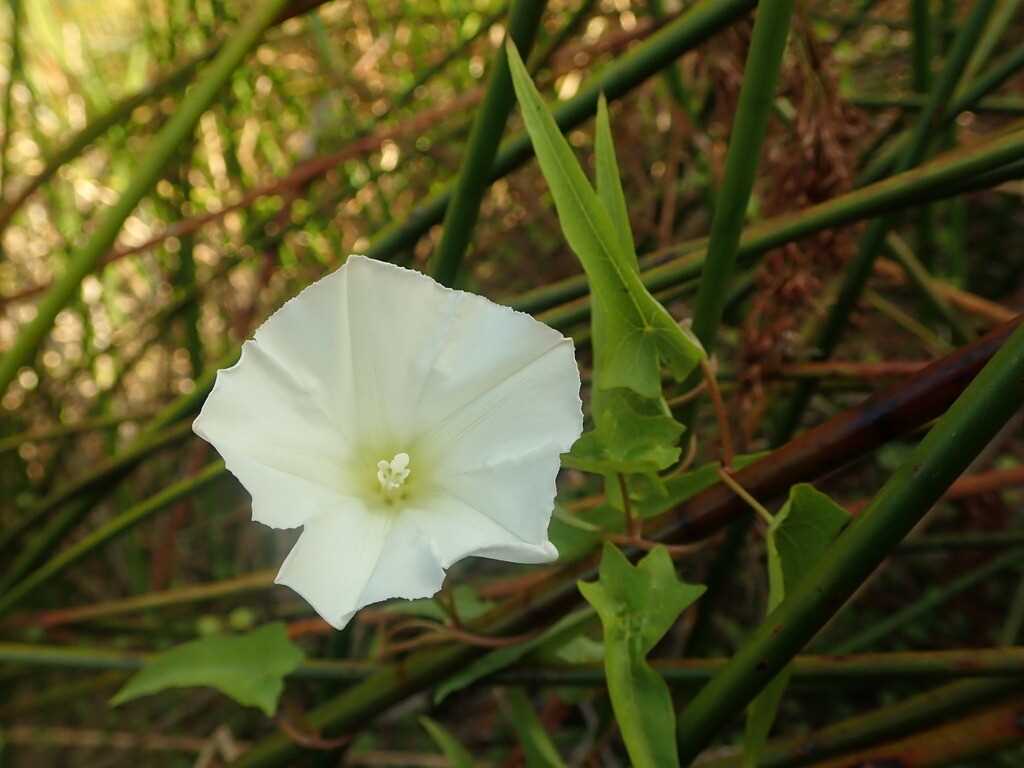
(488, 126)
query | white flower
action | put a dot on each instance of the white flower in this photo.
(404, 425)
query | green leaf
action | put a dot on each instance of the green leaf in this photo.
(633, 333)
(538, 749)
(579, 650)
(458, 756)
(609, 185)
(803, 530)
(801, 533)
(633, 435)
(499, 659)
(637, 606)
(249, 668)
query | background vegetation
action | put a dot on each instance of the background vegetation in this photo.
(172, 171)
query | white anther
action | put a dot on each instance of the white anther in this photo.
(392, 474)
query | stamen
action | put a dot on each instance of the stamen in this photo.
(392, 474)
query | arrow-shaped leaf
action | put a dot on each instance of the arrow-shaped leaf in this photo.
(635, 332)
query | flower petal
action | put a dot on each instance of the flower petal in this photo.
(399, 321)
(310, 339)
(517, 494)
(423, 353)
(500, 454)
(274, 439)
(279, 499)
(426, 539)
(490, 349)
(456, 530)
(364, 366)
(334, 558)
(409, 566)
(535, 406)
(352, 557)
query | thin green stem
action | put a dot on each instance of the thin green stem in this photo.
(65, 430)
(672, 76)
(116, 466)
(176, 596)
(928, 338)
(750, 501)
(993, 105)
(921, 25)
(488, 126)
(960, 541)
(119, 112)
(68, 504)
(923, 282)
(972, 737)
(185, 277)
(921, 49)
(933, 598)
(757, 95)
(1002, 18)
(98, 126)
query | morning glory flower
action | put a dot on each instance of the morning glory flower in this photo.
(403, 425)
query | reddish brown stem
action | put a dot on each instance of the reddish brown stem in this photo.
(986, 482)
(886, 415)
(724, 430)
(851, 369)
(970, 737)
(311, 740)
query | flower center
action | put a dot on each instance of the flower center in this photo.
(392, 474)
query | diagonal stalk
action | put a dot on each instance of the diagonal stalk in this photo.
(151, 164)
(980, 167)
(958, 436)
